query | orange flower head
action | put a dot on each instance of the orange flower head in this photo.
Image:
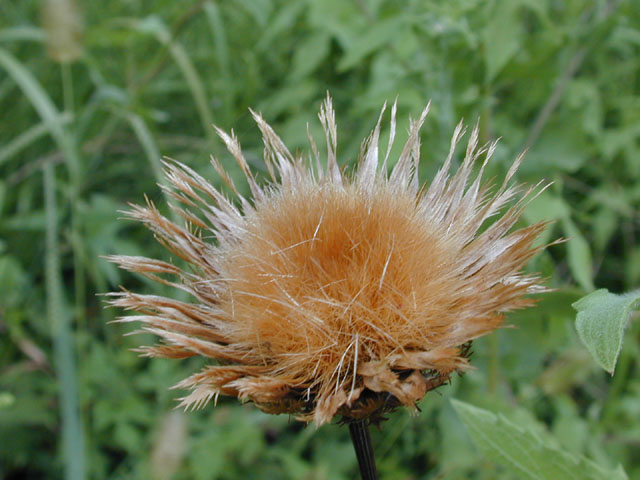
(330, 293)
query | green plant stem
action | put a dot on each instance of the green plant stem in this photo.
(72, 432)
(67, 86)
(76, 234)
(361, 439)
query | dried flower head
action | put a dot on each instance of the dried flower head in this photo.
(63, 24)
(331, 293)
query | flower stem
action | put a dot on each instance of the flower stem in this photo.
(359, 431)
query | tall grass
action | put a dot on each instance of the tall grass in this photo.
(59, 317)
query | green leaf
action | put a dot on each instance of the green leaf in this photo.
(21, 33)
(544, 208)
(6, 400)
(557, 150)
(309, 54)
(154, 25)
(28, 137)
(381, 34)
(502, 38)
(601, 320)
(578, 255)
(284, 20)
(524, 452)
(549, 206)
(216, 23)
(72, 434)
(45, 107)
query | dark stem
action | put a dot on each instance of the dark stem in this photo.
(359, 431)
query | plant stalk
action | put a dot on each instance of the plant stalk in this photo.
(63, 344)
(361, 439)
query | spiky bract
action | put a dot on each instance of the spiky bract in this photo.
(331, 293)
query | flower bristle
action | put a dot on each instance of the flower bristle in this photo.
(330, 293)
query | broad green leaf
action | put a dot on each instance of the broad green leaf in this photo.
(601, 320)
(377, 37)
(544, 208)
(557, 150)
(524, 452)
(283, 20)
(549, 207)
(502, 38)
(309, 54)
(578, 255)
(605, 224)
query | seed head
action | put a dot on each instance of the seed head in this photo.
(63, 24)
(330, 293)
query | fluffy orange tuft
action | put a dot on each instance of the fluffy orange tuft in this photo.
(332, 294)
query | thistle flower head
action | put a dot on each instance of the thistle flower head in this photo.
(330, 293)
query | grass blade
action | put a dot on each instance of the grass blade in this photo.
(154, 26)
(148, 144)
(216, 25)
(59, 318)
(45, 107)
(25, 139)
(22, 33)
(145, 137)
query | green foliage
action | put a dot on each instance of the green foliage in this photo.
(601, 322)
(527, 453)
(557, 78)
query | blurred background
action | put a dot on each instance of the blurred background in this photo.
(93, 94)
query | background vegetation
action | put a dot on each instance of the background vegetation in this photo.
(81, 138)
